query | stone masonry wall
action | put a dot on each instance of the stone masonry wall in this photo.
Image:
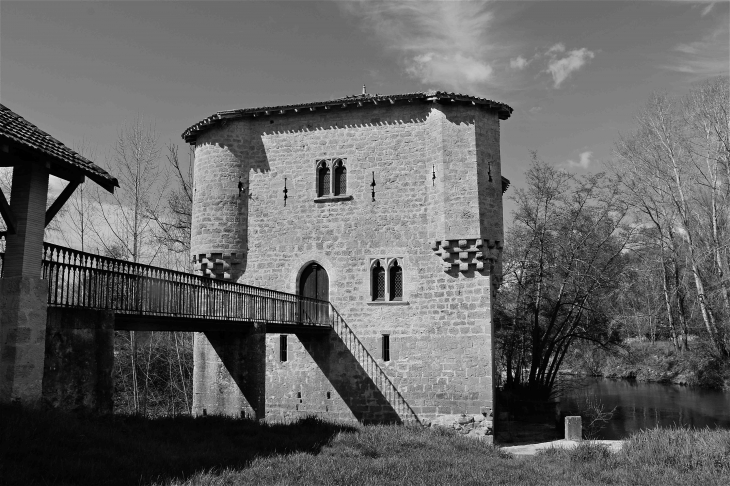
(440, 333)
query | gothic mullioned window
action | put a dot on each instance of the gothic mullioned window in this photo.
(340, 178)
(323, 178)
(387, 280)
(396, 281)
(378, 281)
(331, 180)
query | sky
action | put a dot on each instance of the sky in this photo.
(575, 72)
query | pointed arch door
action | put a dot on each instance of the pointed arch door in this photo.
(314, 283)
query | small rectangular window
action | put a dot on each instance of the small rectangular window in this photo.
(283, 348)
(386, 347)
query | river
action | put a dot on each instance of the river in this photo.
(647, 405)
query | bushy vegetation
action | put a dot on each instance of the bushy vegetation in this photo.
(52, 448)
(163, 373)
(653, 362)
(592, 262)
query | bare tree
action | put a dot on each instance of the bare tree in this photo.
(678, 161)
(174, 218)
(126, 214)
(563, 263)
(705, 111)
(80, 215)
(641, 191)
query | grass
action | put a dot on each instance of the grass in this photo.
(54, 448)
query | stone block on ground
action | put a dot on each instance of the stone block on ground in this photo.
(573, 428)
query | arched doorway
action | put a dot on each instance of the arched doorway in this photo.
(314, 283)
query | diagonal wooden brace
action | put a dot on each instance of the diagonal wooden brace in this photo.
(7, 214)
(61, 200)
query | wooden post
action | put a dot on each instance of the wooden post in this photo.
(23, 294)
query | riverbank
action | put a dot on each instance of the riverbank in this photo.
(52, 448)
(656, 362)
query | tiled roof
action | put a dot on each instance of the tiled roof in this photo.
(15, 128)
(192, 133)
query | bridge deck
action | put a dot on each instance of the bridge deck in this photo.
(128, 322)
(151, 298)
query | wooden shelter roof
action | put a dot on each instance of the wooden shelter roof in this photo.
(20, 137)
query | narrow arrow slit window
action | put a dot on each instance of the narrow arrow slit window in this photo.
(386, 347)
(283, 348)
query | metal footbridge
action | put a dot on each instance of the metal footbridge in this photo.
(144, 297)
(147, 298)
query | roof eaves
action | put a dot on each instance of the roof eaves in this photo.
(16, 129)
(190, 134)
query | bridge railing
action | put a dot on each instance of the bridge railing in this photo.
(79, 279)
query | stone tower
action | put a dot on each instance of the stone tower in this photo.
(390, 207)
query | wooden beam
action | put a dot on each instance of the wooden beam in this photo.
(7, 215)
(61, 200)
(131, 322)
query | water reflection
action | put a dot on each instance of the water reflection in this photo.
(646, 405)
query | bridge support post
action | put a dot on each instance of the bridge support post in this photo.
(23, 306)
(79, 360)
(229, 375)
(23, 294)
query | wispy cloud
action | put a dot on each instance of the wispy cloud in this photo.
(705, 5)
(447, 43)
(556, 49)
(559, 62)
(584, 160)
(562, 67)
(519, 63)
(709, 56)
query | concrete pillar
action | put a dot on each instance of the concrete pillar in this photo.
(23, 295)
(23, 305)
(79, 360)
(229, 375)
(573, 428)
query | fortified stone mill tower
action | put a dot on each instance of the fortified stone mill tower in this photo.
(390, 207)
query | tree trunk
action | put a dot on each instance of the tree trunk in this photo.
(666, 285)
(135, 389)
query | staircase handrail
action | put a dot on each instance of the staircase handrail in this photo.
(337, 316)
